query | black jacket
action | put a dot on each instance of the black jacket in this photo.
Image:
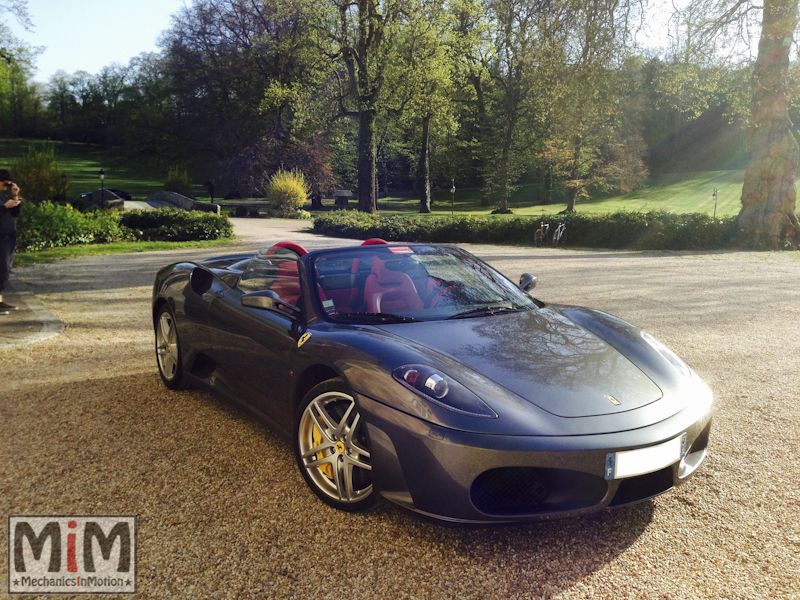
(7, 216)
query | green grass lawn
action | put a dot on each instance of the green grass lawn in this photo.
(678, 192)
(83, 163)
(23, 259)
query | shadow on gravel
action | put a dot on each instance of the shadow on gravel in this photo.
(203, 474)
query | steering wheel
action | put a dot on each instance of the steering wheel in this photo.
(438, 293)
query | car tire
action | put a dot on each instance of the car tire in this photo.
(331, 447)
(168, 350)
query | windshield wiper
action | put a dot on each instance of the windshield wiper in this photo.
(484, 311)
(380, 316)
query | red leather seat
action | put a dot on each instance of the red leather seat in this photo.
(390, 291)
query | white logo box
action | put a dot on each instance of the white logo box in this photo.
(71, 554)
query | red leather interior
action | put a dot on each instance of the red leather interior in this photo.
(390, 291)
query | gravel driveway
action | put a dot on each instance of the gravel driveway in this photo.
(88, 428)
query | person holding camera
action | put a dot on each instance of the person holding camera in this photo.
(9, 210)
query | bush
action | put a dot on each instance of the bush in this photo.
(49, 225)
(178, 181)
(38, 176)
(641, 231)
(172, 225)
(287, 191)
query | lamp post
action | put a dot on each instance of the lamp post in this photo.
(453, 198)
(102, 189)
(714, 195)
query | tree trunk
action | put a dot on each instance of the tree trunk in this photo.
(769, 192)
(505, 168)
(548, 185)
(424, 170)
(576, 174)
(366, 162)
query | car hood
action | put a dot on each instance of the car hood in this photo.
(543, 357)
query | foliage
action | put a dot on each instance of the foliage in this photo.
(642, 231)
(178, 181)
(287, 191)
(402, 94)
(49, 225)
(172, 225)
(38, 175)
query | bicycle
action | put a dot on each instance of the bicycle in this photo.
(560, 234)
(541, 234)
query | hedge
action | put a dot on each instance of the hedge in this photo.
(173, 225)
(49, 225)
(633, 230)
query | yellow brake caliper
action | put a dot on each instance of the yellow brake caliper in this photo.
(327, 468)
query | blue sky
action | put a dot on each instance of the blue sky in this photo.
(86, 35)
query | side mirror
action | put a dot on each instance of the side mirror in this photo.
(527, 282)
(269, 300)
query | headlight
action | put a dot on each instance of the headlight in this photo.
(440, 389)
(668, 354)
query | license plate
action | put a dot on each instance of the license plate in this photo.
(630, 463)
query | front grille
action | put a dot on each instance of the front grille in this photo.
(530, 490)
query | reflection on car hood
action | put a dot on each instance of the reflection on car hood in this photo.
(543, 357)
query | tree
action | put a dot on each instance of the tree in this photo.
(361, 35)
(767, 216)
(769, 193)
(421, 78)
(530, 49)
(11, 49)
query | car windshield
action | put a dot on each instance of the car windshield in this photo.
(397, 283)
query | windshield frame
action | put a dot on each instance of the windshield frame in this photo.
(514, 299)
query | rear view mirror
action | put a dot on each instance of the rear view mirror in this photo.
(269, 300)
(527, 282)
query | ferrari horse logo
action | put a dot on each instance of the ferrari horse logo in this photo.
(303, 339)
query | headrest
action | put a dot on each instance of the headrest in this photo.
(384, 275)
(288, 268)
(296, 248)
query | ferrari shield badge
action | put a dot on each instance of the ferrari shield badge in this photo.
(303, 339)
(613, 400)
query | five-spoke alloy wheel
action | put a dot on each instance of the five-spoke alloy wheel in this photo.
(331, 447)
(168, 350)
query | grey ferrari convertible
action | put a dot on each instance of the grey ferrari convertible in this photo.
(417, 373)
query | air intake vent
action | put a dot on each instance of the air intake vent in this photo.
(530, 490)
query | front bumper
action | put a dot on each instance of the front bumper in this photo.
(479, 478)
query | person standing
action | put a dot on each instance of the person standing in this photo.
(9, 210)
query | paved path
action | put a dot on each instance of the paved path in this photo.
(146, 205)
